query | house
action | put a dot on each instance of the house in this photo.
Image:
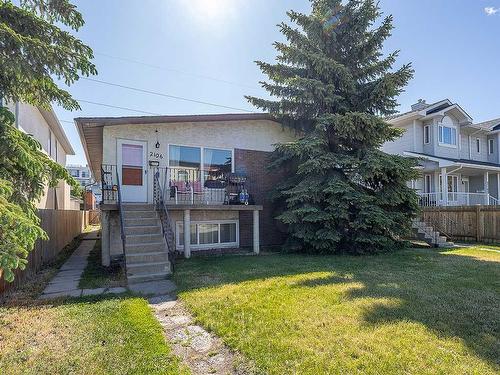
(182, 183)
(44, 126)
(460, 159)
(84, 177)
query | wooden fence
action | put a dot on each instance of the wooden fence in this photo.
(468, 223)
(61, 226)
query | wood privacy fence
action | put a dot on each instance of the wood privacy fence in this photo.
(61, 227)
(468, 223)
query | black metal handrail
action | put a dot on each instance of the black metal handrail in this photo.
(108, 183)
(168, 232)
(184, 185)
(120, 213)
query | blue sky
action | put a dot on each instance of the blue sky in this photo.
(205, 50)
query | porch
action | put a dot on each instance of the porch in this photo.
(451, 183)
(195, 210)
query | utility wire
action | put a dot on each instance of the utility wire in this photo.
(178, 71)
(117, 107)
(163, 94)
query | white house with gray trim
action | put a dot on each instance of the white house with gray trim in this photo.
(454, 150)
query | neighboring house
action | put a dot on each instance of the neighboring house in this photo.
(44, 126)
(460, 159)
(83, 175)
(203, 165)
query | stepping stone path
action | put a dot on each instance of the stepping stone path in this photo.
(65, 283)
(201, 351)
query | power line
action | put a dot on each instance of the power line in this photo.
(117, 107)
(177, 71)
(164, 95)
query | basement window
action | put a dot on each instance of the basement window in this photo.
(209, 234)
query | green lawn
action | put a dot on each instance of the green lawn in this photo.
(416, 311)
(96, 275)
(84, 336)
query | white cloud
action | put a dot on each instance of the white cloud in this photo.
(490, 11)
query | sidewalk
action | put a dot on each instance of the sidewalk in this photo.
(65, 283)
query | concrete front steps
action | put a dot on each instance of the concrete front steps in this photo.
(427, 234)
(145, 247)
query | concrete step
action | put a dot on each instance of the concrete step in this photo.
(151, 277)
(139, 207)
(145, 247)
(144, 238)
(136, 269)
(140, 214)
(135, 230)
(159, 256)
(142, 222)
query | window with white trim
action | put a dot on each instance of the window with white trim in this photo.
(478, 145)
(205, 158)
(447, 133)
(209, 234)
(490, 146)
(427, 134)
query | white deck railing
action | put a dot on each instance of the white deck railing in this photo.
(457, 199)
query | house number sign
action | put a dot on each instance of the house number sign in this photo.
(155, 155)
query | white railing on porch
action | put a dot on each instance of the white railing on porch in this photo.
(456, 199)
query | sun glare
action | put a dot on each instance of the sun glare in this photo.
(212, 10)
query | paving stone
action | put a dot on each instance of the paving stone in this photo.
(68, 293)
(93, 292)
(61, 287)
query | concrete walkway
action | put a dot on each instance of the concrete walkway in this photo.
(65, 283)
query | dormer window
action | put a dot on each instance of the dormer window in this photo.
(447, 133)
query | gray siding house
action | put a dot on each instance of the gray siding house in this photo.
(460, 159)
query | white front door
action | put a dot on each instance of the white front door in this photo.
(132, 170)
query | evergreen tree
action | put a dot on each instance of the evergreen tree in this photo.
(332, 84)
(33, 51)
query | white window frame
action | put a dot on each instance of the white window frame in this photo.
(202, 158)
(478, 145)
(441, 135)
(218, 245)
(490, 146)
(427, 134)
(428, 187)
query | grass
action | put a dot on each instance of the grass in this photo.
(84, 336)
(96, 275)
(92, 335)
(33, 286)
(419, 311)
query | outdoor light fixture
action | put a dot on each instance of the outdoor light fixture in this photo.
(157, 145)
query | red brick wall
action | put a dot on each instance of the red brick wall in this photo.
(260, 182)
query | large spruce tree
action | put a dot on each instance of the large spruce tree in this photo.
(333, 85)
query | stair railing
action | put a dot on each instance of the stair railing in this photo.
(120, 213)
(168, 232)
(444, 224)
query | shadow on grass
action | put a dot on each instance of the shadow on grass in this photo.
(452, 295)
